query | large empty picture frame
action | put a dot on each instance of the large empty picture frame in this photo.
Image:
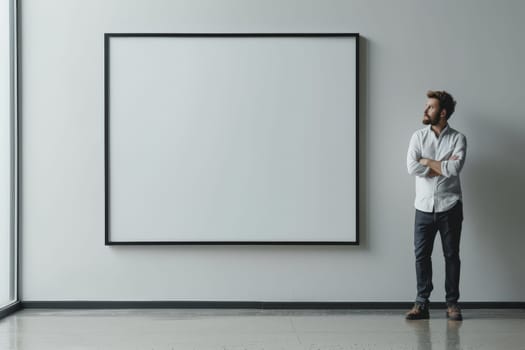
(231, 138)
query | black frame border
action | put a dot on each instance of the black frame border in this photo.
(107, 238)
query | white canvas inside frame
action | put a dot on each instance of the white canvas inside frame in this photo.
(232, 139)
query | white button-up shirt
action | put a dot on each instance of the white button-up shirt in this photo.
(439, 193)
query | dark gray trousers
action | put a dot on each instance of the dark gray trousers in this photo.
(448, 224)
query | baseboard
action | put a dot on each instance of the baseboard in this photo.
(10, 309)
(270, 305)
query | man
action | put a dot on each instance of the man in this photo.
(436, 155)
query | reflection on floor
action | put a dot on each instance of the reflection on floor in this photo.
(152, 329)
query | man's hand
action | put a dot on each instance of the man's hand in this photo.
(432, 173)
(434, 165)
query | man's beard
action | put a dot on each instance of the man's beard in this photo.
(430, 120)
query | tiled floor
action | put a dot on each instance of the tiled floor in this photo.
(34, 329)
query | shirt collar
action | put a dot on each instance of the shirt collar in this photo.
(445, 129)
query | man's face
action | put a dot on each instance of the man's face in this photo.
(432, 112)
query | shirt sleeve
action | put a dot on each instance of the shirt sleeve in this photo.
(450, 167)
(413, 157)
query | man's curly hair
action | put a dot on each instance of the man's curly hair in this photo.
(446, 101)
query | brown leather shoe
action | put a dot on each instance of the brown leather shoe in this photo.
(418, 312)
(454, 313)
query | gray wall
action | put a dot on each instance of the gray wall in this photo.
(472, 48)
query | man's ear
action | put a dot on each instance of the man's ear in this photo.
(443, 113)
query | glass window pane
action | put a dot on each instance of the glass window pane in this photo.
(6, 151)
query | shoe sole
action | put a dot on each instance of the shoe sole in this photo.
(458, 318)
(415, 318)
(455, 318)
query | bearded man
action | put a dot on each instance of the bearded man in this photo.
(436, 155)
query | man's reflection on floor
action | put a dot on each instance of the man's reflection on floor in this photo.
(453, 335)
(423, 334)
(422, 330)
